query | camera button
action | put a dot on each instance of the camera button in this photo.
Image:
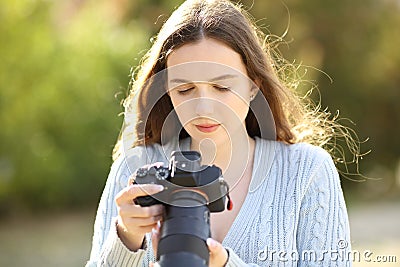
(141, 172)
(162, 174)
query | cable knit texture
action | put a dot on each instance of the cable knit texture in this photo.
(294, 213)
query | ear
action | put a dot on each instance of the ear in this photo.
(167, 90)
(255, 87)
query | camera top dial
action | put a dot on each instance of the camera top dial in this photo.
(141, 172)
(162, 173)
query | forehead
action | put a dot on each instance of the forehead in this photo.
(204, 60)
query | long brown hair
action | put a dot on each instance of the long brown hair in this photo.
(296, 120)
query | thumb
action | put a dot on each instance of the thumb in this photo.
(218, 254)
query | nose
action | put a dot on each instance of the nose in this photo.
(205, 102)
(204, 106)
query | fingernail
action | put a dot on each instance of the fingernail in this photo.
(211, 242)
(159, 164)
(158, 187)
(154, 231)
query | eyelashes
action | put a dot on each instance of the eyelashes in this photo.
(221, 88)
(184, 89)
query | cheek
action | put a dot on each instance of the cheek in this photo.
(238, 100)
(183, 108)
(235, 110)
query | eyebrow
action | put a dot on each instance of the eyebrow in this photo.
(219, 78)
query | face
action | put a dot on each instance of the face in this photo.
(209, 89)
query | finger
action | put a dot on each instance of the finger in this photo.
(143, 222)
(146, 229)
(157, 164)
(133, 191)
(135, 211)
(218, 254)
(155, 236)
(132, 228)
(214, 246)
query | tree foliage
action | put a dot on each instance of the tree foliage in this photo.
(63, 62)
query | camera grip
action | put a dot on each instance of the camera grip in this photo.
(145, 201)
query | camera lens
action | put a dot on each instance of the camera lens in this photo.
(185, 231)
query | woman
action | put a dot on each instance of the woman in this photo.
(209, 84)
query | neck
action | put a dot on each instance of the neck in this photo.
(233, 156)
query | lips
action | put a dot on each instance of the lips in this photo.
(207, 128)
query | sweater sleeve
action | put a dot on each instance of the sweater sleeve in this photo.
(107, 248)
(323, 235)
(235, 261)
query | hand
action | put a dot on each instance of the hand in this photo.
(133, 220)
(218, 254)
(155, 237)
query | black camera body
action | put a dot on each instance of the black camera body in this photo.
(184, 171)
(191, 192)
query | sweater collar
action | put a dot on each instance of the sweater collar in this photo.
(264, 153)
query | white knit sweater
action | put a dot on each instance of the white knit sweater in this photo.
(294, 213)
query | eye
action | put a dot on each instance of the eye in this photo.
(221, 88)
(184, 88)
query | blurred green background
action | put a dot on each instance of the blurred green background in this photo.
(65, 68)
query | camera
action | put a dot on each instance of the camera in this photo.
(191, 192)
